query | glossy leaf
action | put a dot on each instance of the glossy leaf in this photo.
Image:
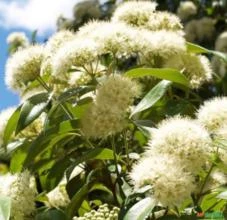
(51, 214)
(193, 48)
(31, 109)
(140, 210)
(152, 97)
(161, 73)
(11, 125)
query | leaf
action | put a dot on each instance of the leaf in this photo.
(152, 97)
(97, 153)
(161, 73)
(56, 173)
(18, 157)
(11, 126)
(140, 210)
(31, 109)
(51, 214)
(51, 136)
(5, 207)
(193, 48)
(77, 200)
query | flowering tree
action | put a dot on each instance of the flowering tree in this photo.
(114, 123)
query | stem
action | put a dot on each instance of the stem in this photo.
(126, 151)
(62, 105)
(118, 180)
(204, 183)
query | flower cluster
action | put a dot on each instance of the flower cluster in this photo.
(103, 118)
(103, 212)
(18, 39)
(178, 150)
(186, 9)
(21, 190)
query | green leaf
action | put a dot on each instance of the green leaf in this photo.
(5, 206)
(97, 153)
(50, 137)
(152, 97)
(161, 73)
(11, 126)
(193, 48)
(18, 157)
(31, 109)
(56, 173)
(140, 210)
(51, 214)
(77, 200)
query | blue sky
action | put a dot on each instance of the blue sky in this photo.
(27, 16)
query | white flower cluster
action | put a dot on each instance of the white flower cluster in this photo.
(200, 30)
(106, 116)
(178, 150)
(20, 189)
(197, 68)
(186, 9)
(18, 39)
(135, 30)
(23, 67)
(104, 212)
(219, 66)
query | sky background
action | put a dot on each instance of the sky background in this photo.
(27, 16)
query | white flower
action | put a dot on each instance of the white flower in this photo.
(58, 197)
(103, 118)
(164, 21)
(21, 191)
(219, 66)
(186, 9)
(197, 68)
(213, 113)
(57, 40)
(182, 138)
(158, 46)
(4, 117)
(221, 42)
(200, 30)
(134, 13)
(78, 52)
(171, 184)
(18, 38)
(23, 67)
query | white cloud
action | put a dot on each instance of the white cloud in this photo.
(34, 14)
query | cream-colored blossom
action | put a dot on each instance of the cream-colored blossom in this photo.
(200, 30)
(104, 118)
(20, 189)
(104, 212)
(58, 197)
(164, 21)
(134, 13)
(58, 40)
(171, 184)
(182, 138)
(78, 52)
(221, 42)
(88, 8)
(186, 9)
(4, 117)
(213, 114)
(158, 46)
(117, 93)
(219, 66)
(23, 67)
(196, 68)
(18, 38)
